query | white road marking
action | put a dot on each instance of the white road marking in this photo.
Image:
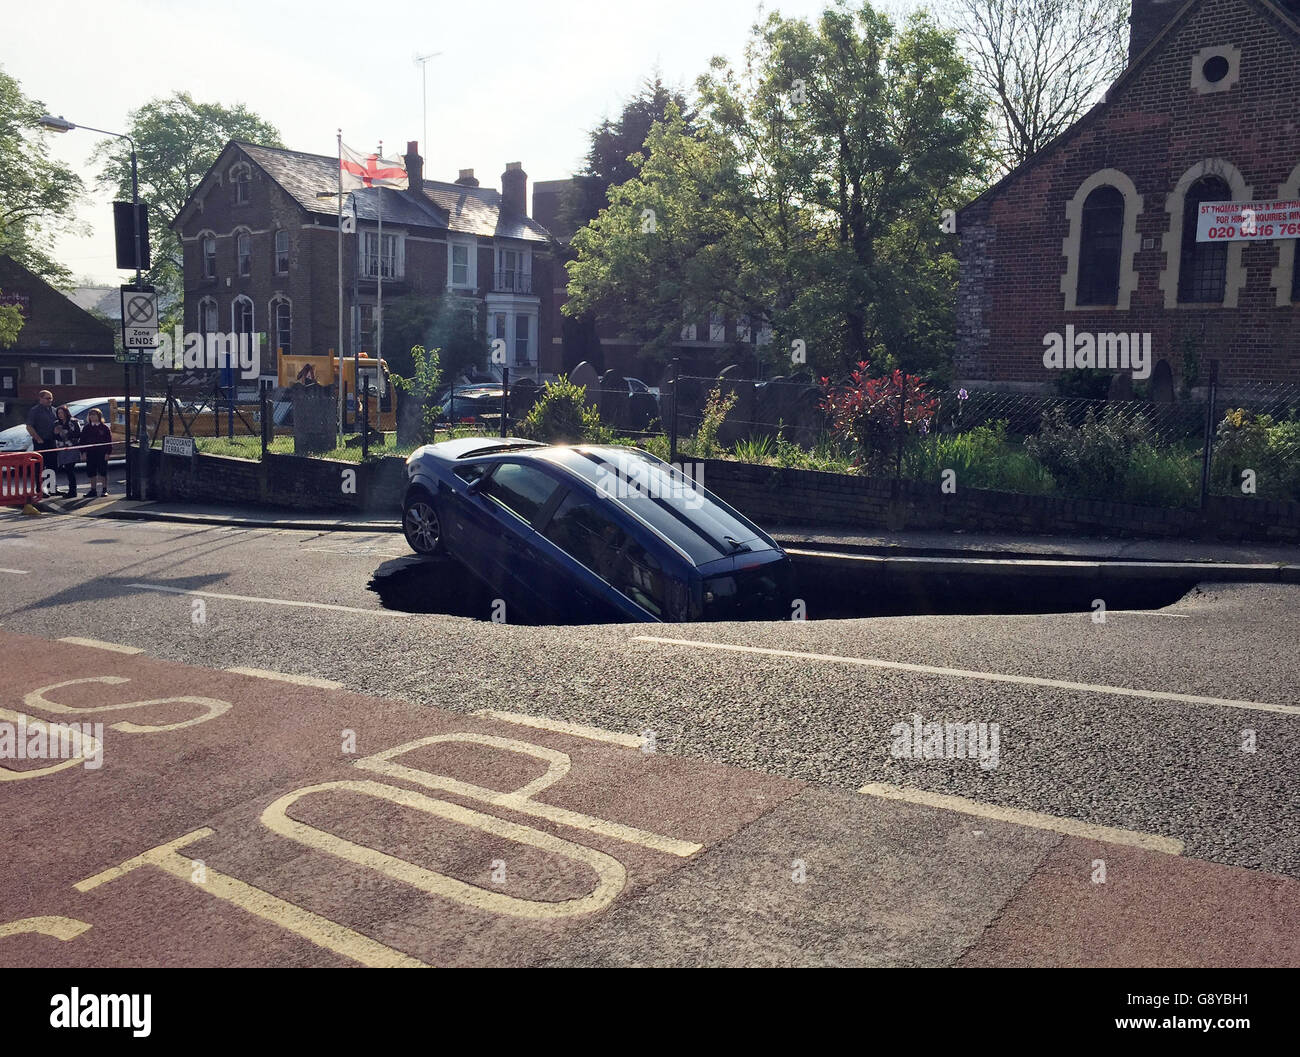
(996, 677)
(286, 677)
(1069, 826)
(15, 572)
(578, 730)
(270, 601)
(99, 645)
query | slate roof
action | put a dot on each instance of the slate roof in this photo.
(466, 210)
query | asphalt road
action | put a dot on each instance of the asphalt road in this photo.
(1169, 755)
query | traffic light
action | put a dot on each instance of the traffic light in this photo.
(124, 234)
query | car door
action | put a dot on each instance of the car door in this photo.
(510, 498)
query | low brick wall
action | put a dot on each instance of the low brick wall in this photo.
(768, 495)
(775, 496)
(280, 480)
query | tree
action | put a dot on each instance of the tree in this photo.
(11, 322)
(443, 323)
(809, 198)
(1041, 64)
(37, 194)
(177, 140)
(613, 145)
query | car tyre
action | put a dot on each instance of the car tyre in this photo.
(421, 524)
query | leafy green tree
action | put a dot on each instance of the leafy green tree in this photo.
(11, 322)
(614, 143)
(177, 139)
(809, 198)
(37, 194)
(446, 323)
(421, 384)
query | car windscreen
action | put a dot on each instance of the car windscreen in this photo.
(667, 501)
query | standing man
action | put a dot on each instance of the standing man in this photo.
(40, 424)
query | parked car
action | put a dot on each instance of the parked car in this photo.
(590, 533)
(16, 438)
(472, 403)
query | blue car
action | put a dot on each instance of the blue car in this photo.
(591, 534)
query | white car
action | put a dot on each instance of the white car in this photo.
(16, 438)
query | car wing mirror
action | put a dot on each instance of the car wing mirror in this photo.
(475, 486)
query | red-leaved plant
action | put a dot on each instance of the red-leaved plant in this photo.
(866, 411)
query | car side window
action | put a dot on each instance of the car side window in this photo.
(523, 490)
(583, 529)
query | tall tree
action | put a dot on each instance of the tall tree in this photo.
(613, 144)
(37, 194)
(11, 322)
(809, 199)
(177, 139)
(1041, 64)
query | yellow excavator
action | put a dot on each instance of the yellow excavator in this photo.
(376, 386)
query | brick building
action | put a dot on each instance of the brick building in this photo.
(60, 347)
(261, 254)
(1098, 230)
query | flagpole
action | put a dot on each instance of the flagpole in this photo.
(339, 377)
(379, 307)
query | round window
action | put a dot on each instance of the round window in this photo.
(1215, 69)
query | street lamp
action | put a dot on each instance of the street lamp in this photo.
(61, 124)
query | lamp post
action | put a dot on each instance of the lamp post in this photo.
(60, 124)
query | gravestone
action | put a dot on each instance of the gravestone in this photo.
(315, 418)
(585, 375)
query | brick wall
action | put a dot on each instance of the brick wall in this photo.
(775, 496)
(280, 481)
(767, 495)
(1153, 129)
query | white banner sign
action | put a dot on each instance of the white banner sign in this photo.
(1248, 221)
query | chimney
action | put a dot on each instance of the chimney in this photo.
(1147, 18)
(414, 165)
(466, 178)
(514, 189)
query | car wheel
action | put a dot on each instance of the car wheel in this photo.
(421, 525)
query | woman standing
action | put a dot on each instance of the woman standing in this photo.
(97, 439)
(67, 435)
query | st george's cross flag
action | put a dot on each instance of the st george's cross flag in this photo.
(369, 170)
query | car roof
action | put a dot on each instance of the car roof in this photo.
(697, 522)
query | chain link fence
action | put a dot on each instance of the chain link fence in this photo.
(1245, 441)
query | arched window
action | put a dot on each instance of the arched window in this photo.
(208, 316)
(1202, 266)
(208, 254)
(1100, 239)
(242, 178)
(282, 324)
(281, 252)
(244, 252)
(241, 315)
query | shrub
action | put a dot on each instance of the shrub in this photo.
(1091, 459)
(875, 414)
(561, 416)
(705, 445)
(426, 374)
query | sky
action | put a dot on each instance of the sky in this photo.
(516, 80)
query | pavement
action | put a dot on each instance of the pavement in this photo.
(913, 544)
(225, 817)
